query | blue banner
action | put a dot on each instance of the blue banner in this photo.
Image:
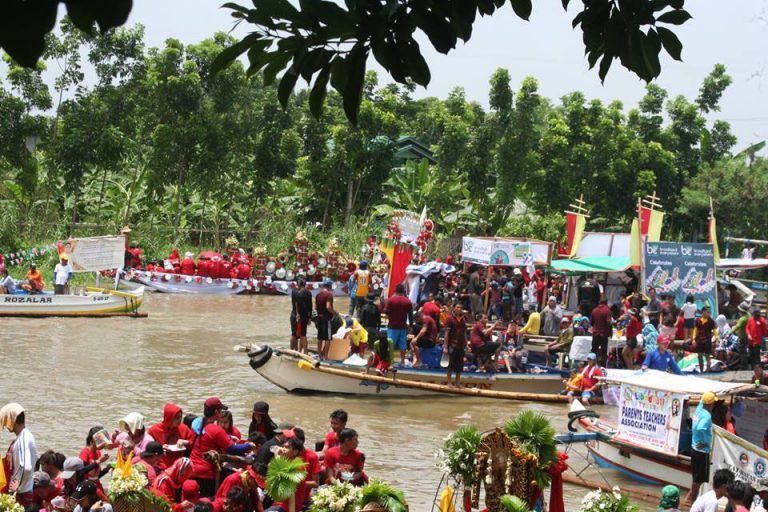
(682, 269)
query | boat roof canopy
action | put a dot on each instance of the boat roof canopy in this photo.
(742, 263)
(688, 384)
(591, 264)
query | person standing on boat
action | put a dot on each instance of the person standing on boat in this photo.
(551, 316)
(756, 330)
(740, 330)
(602, 329)
(704, 329)
(660, 358)
(701, 443)
(653, 308)
(456, 342)
(588, 295)
(325, 313)
(399, 310)
(301, 311)
(361, 279)
(62, 274)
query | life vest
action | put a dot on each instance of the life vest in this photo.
(361, 290)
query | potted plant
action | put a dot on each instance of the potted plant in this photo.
(378, 496)
(283, 478)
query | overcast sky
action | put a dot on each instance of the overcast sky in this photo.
(734, 33)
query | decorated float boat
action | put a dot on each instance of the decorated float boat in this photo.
(299, 373)
(651, 437)
(175, 283)
(91, 302)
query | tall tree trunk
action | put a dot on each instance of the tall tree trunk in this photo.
(179, 181)
(74, 210)
(101, 194)
(129, 202)
(350, 201)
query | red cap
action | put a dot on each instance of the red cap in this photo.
(289, 433)
(663, 338)
(214, 403)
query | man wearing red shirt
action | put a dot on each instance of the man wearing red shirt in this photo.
(756, 330)
(345, 462)
(456, 341)
(325, 313)
(204, 266)
(481, 342)
(432, 308)
(399, 310)
(633, 328)
(246, 479)
(339, 419)
(589, 379)
(602, 330)
(187, 265)
(212, 437)
(426, 337)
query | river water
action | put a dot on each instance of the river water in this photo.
(74, 373)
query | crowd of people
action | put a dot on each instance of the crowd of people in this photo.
(197, 463)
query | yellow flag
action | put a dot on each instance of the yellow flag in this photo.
(654, 225)
(635, 245)
(3, 479)
(127, 466)
(581, 223)
(446, 501)
(713, 239)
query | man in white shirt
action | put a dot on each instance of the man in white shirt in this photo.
(7, 284)
(62, 273)
(707, 502)
(23, 453)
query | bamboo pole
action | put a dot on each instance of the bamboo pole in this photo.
(745, 240)
(439, 388)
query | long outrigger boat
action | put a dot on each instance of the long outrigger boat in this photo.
(92, 302)
(300, 373)
(613, 446)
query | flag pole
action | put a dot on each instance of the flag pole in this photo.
(641, 280)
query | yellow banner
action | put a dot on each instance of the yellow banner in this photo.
(581, 223)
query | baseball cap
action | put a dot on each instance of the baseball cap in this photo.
(71, 466)
(289, 433)
(214, 403)
(327, 282)
(152, 448)
(564, 321)
(42, 479)
(592, 356)
(663, 338)
(708, 398)
(83, 489)
(744, 307)
(283, 426)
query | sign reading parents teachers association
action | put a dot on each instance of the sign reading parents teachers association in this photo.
(682, 269)
(650, 418)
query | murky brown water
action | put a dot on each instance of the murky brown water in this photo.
(72, 374)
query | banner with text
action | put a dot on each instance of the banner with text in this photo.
(96, 253)
(650, 418)
(682, 269)
(487, 251)
(748, 462)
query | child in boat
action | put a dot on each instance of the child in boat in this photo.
(510, 340)
(383, 355)
(573, 382)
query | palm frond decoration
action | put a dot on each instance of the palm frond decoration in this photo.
(514, 504)
(534, 434)
(283, 477)
(384, 495)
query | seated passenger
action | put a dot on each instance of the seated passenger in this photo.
(34, 282)
(7, 284)
(483, 346)
(562, 343)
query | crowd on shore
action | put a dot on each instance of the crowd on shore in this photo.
(196, 463)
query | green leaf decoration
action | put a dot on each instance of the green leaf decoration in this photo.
(383, 494)
(283, 477)
(534, 434)
(514, 504)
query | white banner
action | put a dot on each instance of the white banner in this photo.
(409, 224)
(747, 461)
(650, 418)
(96, 253)
(487, 251)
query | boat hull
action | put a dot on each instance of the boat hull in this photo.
(283, 370)
(217, 287)
(286, 287)
(90, 304)
(632, 460)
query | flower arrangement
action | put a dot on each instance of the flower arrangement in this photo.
(614, 501)
(129, 486)
(457, 456)
(8, 503)
(339, 497)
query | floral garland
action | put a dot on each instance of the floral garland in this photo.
(19, 256)
(614, 501)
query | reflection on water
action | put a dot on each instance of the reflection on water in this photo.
(73, 374)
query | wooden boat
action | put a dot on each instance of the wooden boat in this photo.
(283, 368)
(92, 302)
(611, 449)
(174, 283)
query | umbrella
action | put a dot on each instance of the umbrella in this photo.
(210, 254)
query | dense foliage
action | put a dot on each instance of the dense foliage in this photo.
(153, 139)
